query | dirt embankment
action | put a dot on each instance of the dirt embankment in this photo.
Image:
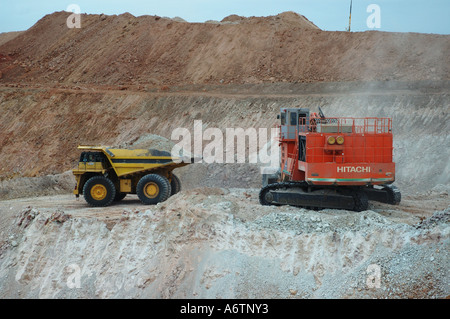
(160, 52)
(8, 36)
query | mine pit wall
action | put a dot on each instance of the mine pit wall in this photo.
(200, 247)
(47, 125)
(203, 251)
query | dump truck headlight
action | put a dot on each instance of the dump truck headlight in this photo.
(331, 140)
(340, 140)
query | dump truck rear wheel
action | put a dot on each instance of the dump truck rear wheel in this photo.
(99, 191)
(175, 185)
(153, 189)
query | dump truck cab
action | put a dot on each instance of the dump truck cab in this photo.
(93, 162)
(105, 174)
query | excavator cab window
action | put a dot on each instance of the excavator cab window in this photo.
(283, 118)
(293, 116)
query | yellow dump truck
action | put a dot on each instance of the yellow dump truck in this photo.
(108, 174)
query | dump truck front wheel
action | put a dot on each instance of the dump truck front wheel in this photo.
(99, 191)
(153, 189)
(175, 185)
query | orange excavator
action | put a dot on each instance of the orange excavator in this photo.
(339, 163)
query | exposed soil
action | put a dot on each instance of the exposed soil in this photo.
(8, 36)
(157, 52)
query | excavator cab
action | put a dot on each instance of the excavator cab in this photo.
(292, 121)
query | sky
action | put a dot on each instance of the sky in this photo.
(423, 16)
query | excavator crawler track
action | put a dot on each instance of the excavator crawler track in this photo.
(301, 194)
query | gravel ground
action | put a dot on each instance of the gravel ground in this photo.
(220, 243)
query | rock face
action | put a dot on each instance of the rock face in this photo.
(42, 128)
